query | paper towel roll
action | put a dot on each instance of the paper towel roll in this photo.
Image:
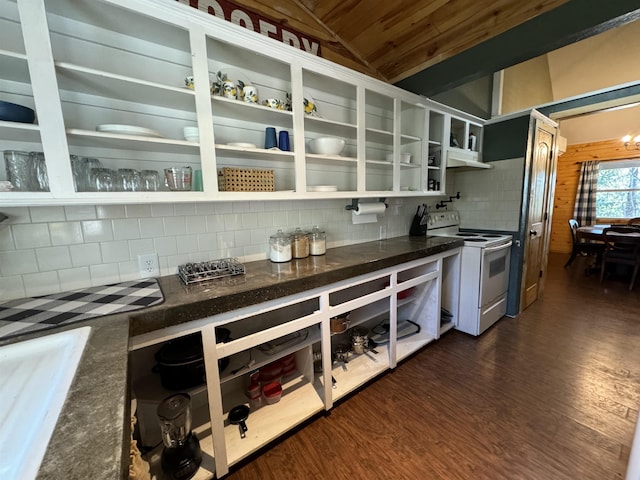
(377, 208)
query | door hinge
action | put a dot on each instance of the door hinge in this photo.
(540, 274)
(546, 215)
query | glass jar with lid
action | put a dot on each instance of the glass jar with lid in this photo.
(280, 247)
(299, 244)
(317, 241)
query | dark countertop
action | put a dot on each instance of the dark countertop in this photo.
(265, 280)
(91, 438)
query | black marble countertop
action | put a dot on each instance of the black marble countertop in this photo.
(91, 438)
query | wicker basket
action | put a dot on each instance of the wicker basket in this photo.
(245, 180)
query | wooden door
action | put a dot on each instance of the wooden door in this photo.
(538, 218)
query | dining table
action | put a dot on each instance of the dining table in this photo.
(595, 232)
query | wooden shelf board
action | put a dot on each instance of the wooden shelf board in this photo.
(408, 345)
(253, 153)
(359, 370)
(78, 137)
(299, 401)
(260, 358)
(106, 84)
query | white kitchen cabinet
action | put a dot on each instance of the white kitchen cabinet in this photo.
(115, 62)
(298, 325)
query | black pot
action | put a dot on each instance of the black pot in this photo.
(181, 361)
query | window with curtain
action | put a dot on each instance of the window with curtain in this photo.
(618, 191)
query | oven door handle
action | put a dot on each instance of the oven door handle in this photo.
(499, 247)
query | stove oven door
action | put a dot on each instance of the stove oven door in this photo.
(495, 273)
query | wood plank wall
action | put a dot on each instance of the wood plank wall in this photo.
(567, 178)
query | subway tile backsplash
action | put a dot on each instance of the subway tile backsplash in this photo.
(46, 250)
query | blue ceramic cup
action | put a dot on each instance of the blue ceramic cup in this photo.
(283, 141)
(270, 138)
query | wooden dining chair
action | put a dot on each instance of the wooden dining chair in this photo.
(634, 221)
(579, 247)
(621, 249)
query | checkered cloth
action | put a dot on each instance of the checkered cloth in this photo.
(35, 313)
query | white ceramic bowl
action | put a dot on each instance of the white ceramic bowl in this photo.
(327, 145)
(191, 134)
(404, 157)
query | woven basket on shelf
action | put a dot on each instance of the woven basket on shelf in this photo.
(245, 180)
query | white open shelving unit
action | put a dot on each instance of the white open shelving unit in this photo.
(124, 62)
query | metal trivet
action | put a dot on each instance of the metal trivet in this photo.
(201, 271)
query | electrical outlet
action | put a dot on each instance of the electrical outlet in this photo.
(148, 265)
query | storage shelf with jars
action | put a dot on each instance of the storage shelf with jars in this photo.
(121, 80)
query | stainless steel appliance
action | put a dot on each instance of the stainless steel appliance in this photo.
(484, 272)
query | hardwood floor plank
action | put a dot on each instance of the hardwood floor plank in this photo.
(553, 394)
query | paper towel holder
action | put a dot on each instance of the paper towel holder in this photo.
(354, 204)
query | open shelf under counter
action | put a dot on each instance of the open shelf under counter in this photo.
(358, 370)
(445, 327)
(252, 112)
(92, 138)
(411, 344)
(105, 84)
(300, 401)
(239, 363)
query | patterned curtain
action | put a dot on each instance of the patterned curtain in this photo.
(585, 208)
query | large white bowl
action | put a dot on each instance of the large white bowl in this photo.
(327, 145)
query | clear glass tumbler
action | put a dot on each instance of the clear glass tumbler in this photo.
(150, 180)
(102, 179)
(20, 172)
(129, 180)
(41, 178)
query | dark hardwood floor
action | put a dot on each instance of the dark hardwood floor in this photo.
(551, 395)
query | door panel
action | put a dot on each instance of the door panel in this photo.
(538, 197)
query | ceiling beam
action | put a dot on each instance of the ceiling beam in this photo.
(570, 22)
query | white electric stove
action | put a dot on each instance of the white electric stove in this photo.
(484, 272)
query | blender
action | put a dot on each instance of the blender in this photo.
(181, 456)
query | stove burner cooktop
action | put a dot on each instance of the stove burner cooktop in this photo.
(475, 240)
(491, 235)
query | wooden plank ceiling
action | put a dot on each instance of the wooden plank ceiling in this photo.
(392, 40)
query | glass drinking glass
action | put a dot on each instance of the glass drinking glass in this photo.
(128, 179)
(102, 179)
(40, 176)
(150, 180)
(87, 165)
(19, 170)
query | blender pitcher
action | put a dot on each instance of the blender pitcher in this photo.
(181, 456)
